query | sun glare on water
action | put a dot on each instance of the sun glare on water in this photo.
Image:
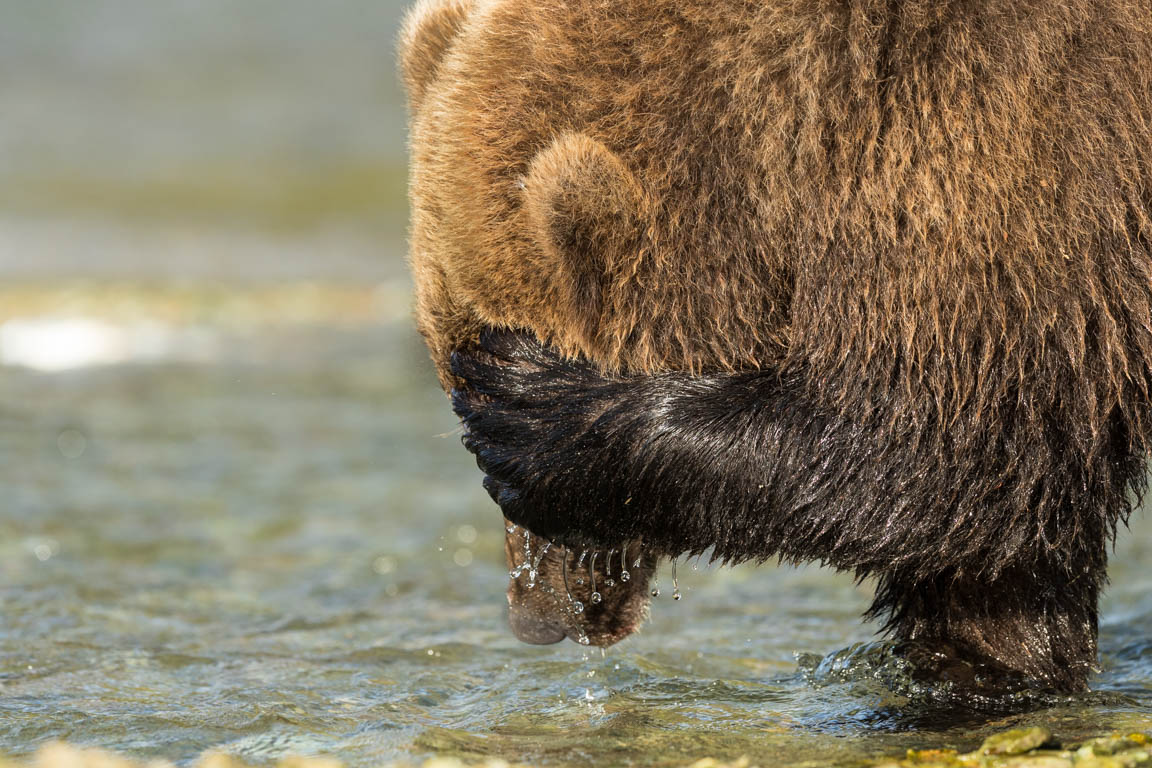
(66, 343)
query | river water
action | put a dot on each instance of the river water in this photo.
(236, 514)
(286, 551)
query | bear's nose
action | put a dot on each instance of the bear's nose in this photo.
(530, 628)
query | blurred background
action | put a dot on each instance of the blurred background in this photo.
(218, 428)
(234, 511)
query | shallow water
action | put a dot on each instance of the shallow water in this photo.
(284, 549)
(235, 510)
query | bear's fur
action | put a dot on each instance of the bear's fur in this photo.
(864, 282)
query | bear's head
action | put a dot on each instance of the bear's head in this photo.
(528, 221)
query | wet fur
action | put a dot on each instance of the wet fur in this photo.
(864, 282)
(549, 598)
(743, 464)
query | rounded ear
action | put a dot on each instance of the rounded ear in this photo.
(425, 37)
(586, 212)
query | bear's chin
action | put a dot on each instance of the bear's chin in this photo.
(592, 598)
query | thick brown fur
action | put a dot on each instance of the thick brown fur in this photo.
(932, 220)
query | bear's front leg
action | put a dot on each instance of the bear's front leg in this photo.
(1029, 623)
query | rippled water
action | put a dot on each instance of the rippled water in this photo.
(248, 524)
(263, 553)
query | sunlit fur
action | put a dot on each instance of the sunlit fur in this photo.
(907, 247)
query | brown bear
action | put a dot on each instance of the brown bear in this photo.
(863, 282)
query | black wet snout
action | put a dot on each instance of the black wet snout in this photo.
(530, 628)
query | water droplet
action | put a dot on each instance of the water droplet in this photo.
(656, 592)
(595, 598)
(625, 576)
(580, 581)
(675, 584)
(577, 606)
(583, 640)
(71, 443)
(609, 582)
(564, 573)
(511, 529)
(44, 549)
(540, 557)
(592, 575)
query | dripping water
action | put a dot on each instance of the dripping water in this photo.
(573, 604)
(536, 565)
(527, 564)
(595, 597)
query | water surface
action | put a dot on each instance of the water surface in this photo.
(235, 513)
(282, 548)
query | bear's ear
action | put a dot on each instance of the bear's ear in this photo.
(586, 211)
(425, 37)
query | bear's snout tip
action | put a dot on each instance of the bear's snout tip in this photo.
(530, 628)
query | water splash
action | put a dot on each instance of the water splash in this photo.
(536, 565)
